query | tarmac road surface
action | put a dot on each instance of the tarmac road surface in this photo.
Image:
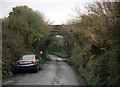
(53, 73)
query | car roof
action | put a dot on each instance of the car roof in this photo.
(29, 55)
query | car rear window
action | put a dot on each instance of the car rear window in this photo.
(27, 57)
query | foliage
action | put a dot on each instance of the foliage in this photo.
(98, 56)
(57, 46)
(30, 24)
(22, 32)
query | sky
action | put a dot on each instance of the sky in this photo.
(56, 11)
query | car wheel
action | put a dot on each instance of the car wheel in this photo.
(19, 70)
(40, 67)
(37, 69)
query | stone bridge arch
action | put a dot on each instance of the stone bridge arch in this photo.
(57, 30)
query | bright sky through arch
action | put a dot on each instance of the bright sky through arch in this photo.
(56, 11)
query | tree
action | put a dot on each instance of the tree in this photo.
(22, 32)
(99, 57)
(30, 24)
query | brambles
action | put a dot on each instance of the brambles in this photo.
(99, 55)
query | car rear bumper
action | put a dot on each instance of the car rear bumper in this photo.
(27, 67)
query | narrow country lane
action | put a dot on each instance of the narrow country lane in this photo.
(53, 73)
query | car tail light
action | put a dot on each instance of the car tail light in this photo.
(17, 62)
(33, 62)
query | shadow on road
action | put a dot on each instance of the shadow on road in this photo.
(26, 72)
